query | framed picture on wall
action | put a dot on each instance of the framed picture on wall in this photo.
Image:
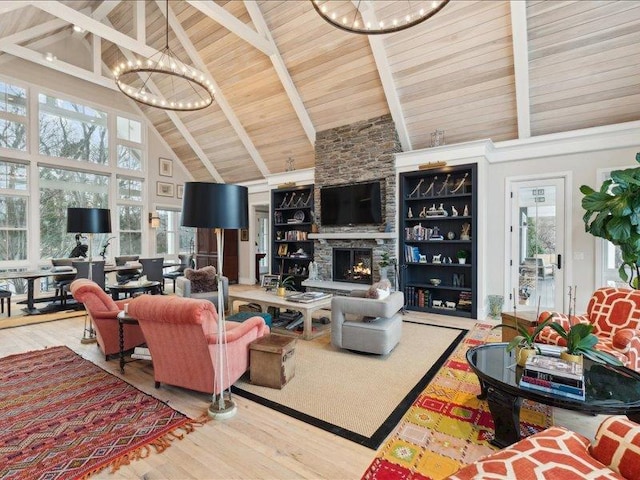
(244, 235)
(164, 189)
(166, 167)
(179, 191)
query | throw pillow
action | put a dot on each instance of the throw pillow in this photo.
(616, 445)
(202, 280)
(379, 290)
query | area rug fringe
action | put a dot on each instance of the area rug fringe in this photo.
(156, 446)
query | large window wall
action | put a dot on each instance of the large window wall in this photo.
(58, 152)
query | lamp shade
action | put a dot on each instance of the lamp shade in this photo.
(215, 205)
(88, 220)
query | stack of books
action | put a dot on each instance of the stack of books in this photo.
(141, 353)
(553, 375)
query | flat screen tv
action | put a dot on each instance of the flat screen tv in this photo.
(354, 204)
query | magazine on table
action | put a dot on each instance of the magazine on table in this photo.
(308, 297)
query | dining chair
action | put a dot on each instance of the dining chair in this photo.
(152, 269)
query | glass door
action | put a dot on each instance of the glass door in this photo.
(537, 244)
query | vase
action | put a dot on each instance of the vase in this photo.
(281, 292)
(462, 260)
(523, 353)
(384, 275)
(569, 357)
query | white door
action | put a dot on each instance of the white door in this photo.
(537, 245)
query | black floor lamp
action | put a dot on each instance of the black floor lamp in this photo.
(89, 221)
(220, 206)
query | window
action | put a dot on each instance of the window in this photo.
(13, 112)
(60, 189)
(71, 130)
(129, 135)
(129, 158)
(13, 211)
(128, 129)
(130, 215)
(171, 237)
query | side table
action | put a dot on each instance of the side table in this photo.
(526, 319)
(123, 319)
(271, 361)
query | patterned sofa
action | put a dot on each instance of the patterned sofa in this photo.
(615, 314)
(559, 454)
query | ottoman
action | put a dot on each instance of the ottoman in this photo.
(242, 316)
(377, 336)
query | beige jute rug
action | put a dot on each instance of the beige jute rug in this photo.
(358, 396)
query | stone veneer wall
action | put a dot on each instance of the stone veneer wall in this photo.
(359, 152)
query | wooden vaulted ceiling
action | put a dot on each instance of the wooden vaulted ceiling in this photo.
(478, 69)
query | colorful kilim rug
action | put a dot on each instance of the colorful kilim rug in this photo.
(63, 417)
(447, 426)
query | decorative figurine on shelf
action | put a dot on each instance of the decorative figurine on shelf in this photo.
(435, 234)
(291, 204)
(429, 190)
(445, 184)
(416, 191)
(442, 211)
(423, 212)
(465, 233)
(284, 201)
(465, 212)
(409, 213)
(461, 184)
(437, 258)
(454, 212)
(451, 236)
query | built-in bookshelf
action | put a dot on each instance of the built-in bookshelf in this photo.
(438, 223)
(292, 249)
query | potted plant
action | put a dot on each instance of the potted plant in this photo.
(524, 341)
(462, 256)
(385, 262)
(581, 342)
(616, 207)
(283, 284)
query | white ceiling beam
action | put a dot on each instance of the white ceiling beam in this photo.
(231, 23)
(386, 78)
(141, 21)
(33, 32)
(180, 126)
(282, 71)
(59, 65)
(220, 99)
(39, 45)
(6, 7)
(96, 54)
(521, 66)
(105, 8)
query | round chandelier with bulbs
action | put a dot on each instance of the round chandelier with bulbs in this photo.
(185, 88)
(368, 17)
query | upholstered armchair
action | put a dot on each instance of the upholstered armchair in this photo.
(181, 334)
(103, 311)
(615, 315)
(201, 284)
(366, 324)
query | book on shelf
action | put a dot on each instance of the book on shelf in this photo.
(553, 391)
(555, 366)
(576, 390)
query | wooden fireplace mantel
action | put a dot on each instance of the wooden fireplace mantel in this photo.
(379, 237)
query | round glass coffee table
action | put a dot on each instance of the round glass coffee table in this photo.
(609, 390)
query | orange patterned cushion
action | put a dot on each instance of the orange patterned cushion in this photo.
(617, 445)
(553, 454)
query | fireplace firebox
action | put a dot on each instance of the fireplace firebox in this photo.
(352, 265)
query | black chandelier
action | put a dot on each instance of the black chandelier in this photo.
(369, 17)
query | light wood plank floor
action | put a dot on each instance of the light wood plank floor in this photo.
(258, 443)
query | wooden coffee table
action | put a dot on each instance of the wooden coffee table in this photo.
(268, 299)
(609, 390)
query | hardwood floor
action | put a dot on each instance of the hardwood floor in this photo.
(258, 443)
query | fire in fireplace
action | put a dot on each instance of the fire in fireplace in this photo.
(352, 265)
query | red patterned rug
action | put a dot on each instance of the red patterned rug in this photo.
(447, 426)
(63, 417)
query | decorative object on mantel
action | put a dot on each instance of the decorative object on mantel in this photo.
(287, 185)
(365, 19)
(431, 165)
(187, 88)
(437, 138)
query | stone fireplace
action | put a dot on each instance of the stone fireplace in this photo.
(353, 265)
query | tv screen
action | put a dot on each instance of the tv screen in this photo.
(356, 204)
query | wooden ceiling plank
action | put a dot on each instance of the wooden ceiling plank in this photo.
(33, 32)
(231, 23)
(104, 9)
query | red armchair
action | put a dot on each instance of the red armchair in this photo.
(615, 315)
(103, 311)
(181, 336)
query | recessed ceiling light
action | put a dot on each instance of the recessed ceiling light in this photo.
(78, 28)
(49, 57)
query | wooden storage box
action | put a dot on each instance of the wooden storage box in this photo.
(525, 319)
(271, 360)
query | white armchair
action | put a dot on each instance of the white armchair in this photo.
(184, 289)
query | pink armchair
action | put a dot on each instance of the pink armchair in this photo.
(103, 311)
(615, 314)
(181, 336)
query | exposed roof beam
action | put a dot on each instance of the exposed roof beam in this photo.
(231, 23)
(386, 78)
(6, 7)
(521, 66)
(33, 32)
(37, 57)
(105, 8)
(96, 54)
(281, 69)
(180, 126)
(140, 20)
(221, 100)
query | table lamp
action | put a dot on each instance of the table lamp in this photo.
(89, 221)
(220, 206)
